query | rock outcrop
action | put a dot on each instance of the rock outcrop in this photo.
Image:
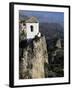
(33, 59)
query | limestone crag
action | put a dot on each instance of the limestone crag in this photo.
(33, 59)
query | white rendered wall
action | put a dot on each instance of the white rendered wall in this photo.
(30, 34)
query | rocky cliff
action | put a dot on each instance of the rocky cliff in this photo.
(33, 59)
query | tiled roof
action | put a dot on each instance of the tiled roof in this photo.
(32, 20)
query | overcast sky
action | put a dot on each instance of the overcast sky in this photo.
(43, 16)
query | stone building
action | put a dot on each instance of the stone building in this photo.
(30, 27)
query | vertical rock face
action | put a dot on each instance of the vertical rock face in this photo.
(33, 60)
(58, 44)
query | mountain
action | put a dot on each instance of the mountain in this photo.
(23, 17)
(50, 30)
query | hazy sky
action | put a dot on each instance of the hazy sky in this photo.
(43, 16)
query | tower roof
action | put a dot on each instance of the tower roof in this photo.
(32, 20)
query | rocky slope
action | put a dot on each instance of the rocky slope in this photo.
(33, 59)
